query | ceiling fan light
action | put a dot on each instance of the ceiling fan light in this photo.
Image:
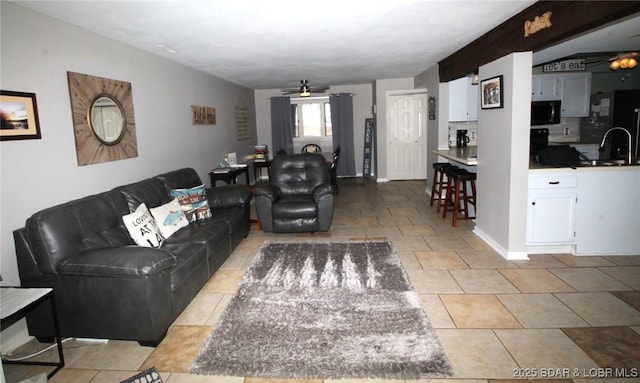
(615, 64)
(632, 62)
(624, 63)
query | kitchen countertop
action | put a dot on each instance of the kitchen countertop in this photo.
(466, 156)
(535, 168)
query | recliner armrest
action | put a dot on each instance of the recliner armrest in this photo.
(228, 196)
(322, 190)
(269, 191)
(128, 261)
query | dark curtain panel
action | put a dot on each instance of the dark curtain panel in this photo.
(342, 125)
(281, 124)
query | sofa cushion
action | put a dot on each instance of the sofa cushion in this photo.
(295, 207)
(208, 233)
(143, 228)
(189, 258)
(65, 230)
(128, 261)
(169, 217)
(180, 179)
(193, 201)
(150, 192)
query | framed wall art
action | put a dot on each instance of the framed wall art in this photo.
(491, 93)
(203, 115)
(19, 116)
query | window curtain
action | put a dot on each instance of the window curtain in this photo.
(342, 129)
(281, 124)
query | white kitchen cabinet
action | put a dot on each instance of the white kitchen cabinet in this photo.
(552, 209)
(546, 87)
(608, 215)
(572, 89)
(463, 100)
(576, 93)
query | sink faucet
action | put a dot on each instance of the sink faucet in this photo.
(606, 134)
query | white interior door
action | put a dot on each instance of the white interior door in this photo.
(407, 133)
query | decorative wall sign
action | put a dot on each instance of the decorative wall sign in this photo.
(19, 116)
(103, 120)
(538, 24)
(432, 108)
(572, 65)
(203, 115)
(368, 147)
(491, 93)
(242, 123)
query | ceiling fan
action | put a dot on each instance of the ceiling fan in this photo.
(627, 60)
(305, 89)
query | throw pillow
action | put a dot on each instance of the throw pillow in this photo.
(193, 201)
(143, 228)
(169, 217)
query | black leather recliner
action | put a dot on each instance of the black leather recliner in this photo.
(298, 196)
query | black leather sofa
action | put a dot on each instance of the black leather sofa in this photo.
(107, 287)
(298, 196)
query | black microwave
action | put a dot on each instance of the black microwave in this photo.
(545, 112)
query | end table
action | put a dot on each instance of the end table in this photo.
(16, 303)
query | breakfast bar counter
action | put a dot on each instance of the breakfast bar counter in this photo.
(466, 156)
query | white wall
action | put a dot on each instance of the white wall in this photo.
(503, 158)
(37, 52)
(362, 103)
(436, 129)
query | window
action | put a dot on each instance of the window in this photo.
(312, 117)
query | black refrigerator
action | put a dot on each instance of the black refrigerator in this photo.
(620, 108)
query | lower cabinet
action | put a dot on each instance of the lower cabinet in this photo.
(588, 211)
(552, 209)
(608, 215)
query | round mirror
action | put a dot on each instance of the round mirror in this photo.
(106, 119)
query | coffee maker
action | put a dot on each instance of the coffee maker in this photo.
(461, 138)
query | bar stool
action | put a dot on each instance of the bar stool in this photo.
(463, 198)
(438, 183)
(451, 172)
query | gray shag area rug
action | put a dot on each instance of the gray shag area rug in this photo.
(325, 311)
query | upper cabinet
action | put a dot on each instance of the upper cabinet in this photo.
(546, 87)
(576, 93)
(573, 89)
(463, 100)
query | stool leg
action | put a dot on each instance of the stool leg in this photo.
(448, 195)
(473, 197)
(442, 188)
(436, 174)
(457, 202)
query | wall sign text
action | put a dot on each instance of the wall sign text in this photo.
(574, 65)
(538, 24)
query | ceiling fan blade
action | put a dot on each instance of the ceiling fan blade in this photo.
(290, 91)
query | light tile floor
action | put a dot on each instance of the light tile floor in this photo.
(553, 316)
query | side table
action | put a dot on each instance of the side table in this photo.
(16, 303)
(257, 167)
(228, 175)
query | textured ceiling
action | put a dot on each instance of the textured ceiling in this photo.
(265, 44)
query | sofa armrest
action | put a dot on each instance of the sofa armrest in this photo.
(228, 196)
(321, 191)
(128, 261)
(269, 191)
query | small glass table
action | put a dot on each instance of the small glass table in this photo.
(16, 303)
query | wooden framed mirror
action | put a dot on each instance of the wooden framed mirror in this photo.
(106, 119)
(103, 119)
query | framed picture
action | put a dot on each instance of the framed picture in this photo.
(19, 116)
(491, 93)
